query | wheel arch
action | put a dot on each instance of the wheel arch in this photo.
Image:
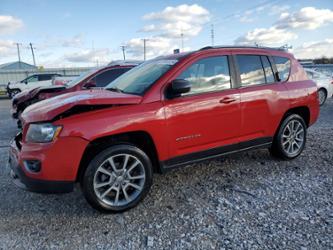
(140, 139)
(302, 111)
(323, 88)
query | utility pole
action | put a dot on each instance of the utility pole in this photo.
(123, 48)
(144, 49)
(33, 54)
(18, 53)
(212, 34)
(182, 39)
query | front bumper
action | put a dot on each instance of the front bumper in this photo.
(14, 113)
(58, 173)
(21, 180)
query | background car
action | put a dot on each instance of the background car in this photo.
(62, 80)
(324, 83)
(97, 77)
(31, 82)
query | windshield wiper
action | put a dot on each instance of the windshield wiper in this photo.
(115, 90)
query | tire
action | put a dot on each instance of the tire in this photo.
(100, 171)
(13, 93)
(287, 144)
(322, 96)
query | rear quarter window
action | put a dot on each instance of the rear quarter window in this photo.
(283, 67)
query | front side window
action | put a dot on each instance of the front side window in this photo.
(208, 74)
(283, 67)
(139, 79)
(108, 76)
(250, 69)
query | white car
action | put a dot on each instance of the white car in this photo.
(31, 82)
(324, 83)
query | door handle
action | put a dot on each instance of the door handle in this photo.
(227, 100)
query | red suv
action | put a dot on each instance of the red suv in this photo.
(167, 112)
(97, 77)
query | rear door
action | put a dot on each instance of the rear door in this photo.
(207, 117)
(263, 98)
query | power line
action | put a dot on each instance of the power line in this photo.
(265, 3)
(222, 19)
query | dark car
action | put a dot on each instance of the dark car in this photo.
(97, 77)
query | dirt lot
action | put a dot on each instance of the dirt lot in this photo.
(244, 201)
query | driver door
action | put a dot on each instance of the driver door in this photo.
(30, 82)
(208, 117)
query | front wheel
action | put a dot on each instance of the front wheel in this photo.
(290, 139)
(13, 93)
(117, 179)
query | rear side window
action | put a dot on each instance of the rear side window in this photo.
(108, 76)
(208, 74)
(283, 67)
(44, 77)
(250, 70)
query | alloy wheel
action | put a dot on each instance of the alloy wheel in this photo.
(293, 137)
(119, 180)
(322, 97)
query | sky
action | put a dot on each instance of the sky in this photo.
(75, 33)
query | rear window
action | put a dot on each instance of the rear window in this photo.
(283, 67)
(108, 76)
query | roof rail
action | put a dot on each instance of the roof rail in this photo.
(282, 48)
(124, 63)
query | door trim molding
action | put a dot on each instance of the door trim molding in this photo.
(179, 161)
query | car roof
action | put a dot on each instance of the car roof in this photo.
(178, 56)
(283, 48)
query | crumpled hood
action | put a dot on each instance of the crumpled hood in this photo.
(48, 109)
(24, 95)
(30, 94)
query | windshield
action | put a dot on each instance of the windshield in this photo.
(80, 78)
(139, 79)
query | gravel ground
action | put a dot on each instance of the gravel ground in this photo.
(244, 201)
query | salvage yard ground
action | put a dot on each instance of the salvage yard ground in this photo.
(243, 201)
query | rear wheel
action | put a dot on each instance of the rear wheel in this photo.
(322, 95)
(117, 179)
(290, 139)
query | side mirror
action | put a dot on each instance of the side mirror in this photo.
(178, 87)
(89, 85)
